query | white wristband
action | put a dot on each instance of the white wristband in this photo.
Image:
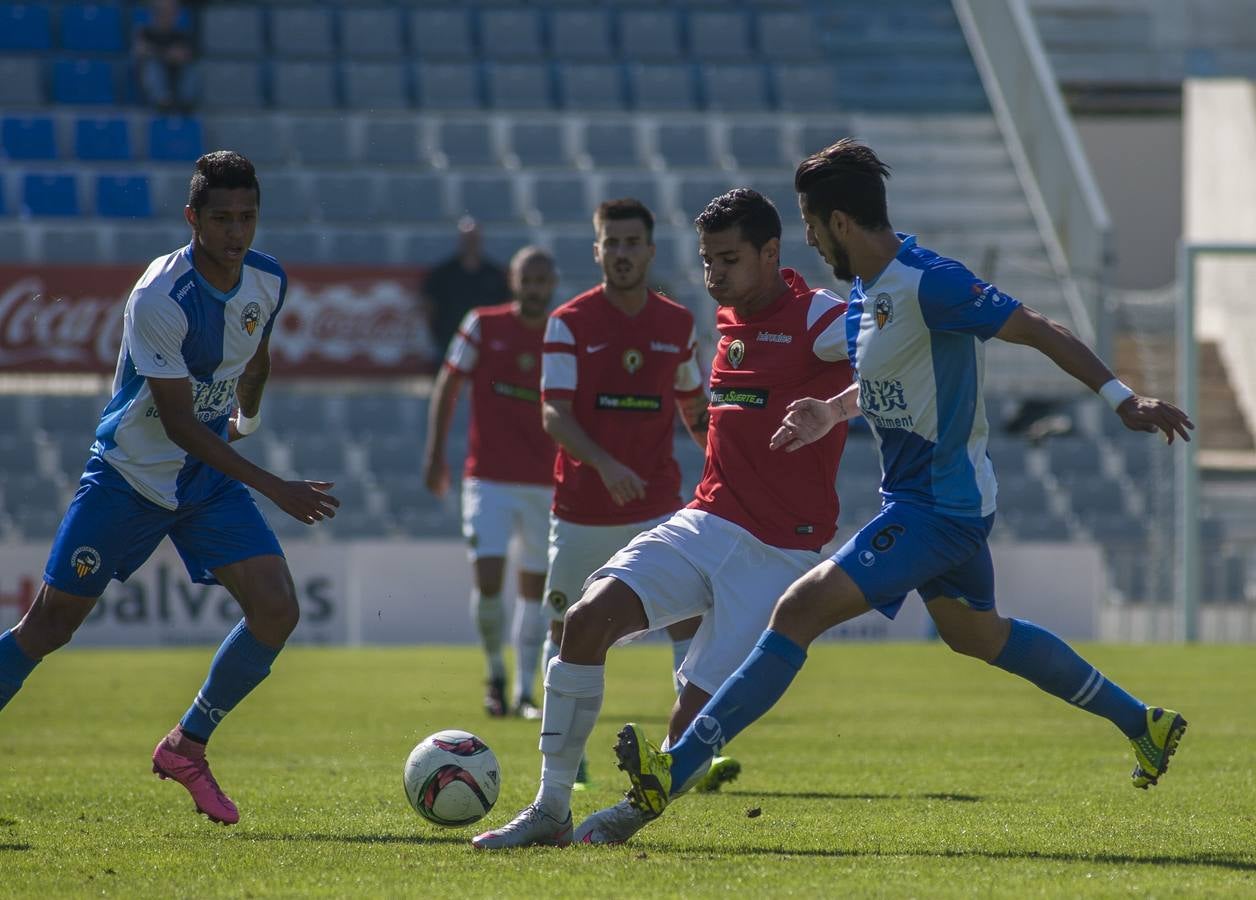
(246, 424)
(1115, 392)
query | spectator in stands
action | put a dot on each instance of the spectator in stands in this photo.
(164, 50)
(465, 280)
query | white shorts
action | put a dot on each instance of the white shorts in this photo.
(575, 551)
(493, 510)
(697, 564)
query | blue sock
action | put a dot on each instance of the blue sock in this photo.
(15, 665)
(239, 666)
(1039, 656)
(748, 693)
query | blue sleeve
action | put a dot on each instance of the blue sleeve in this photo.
(954, 299)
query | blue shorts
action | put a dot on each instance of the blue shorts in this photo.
(110, 529)
(906, 547)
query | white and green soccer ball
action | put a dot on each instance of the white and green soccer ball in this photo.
(452, 778)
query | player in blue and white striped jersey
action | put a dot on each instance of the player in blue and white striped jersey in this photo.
(194, 360)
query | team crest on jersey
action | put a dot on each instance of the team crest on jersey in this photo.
(526, 362)
(883, 310)
(736, 353)
(633, 360)
(251, 315)
(86, 561)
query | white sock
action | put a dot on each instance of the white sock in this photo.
(573, 698)
(531, 626)
(679, 650)
(486, 610)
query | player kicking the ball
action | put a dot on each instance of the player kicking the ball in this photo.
(194, 360)
(915, 327)
(752, 529)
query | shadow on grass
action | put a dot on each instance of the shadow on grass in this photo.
(14, 848)
(416, 839)
(826, 795)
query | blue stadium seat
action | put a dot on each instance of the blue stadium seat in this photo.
(232, 31)
(123, 197)
(345, 197)
(719, 34)
(441, 34)
(175, 138)
(644, 187)
(393, 141)
(20, 82)
(467, 143)
(787, 35)
(319, 139)
(448, 86)
(92, 27)
(581, 34)
(102, 139)
(373, 33)
(649, 35)
(734, 87)
(245, 78)
(83, 82)
(561, 198)
(304, 85)
(256, 136)
(488, 198)
(519, 86)
(284, 198)
(50, 195)
(591, 86)
(537, 144)
(28, 138)
(611, 144)
(754, 144)
(684, 145)
(805, 87)
(513, 34)
(662, 86)
(303, 32)
(371, 86)
(25, 26)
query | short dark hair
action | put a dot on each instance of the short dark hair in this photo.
(624, 208)
(848, 177)
(221, 169)
(742, 208)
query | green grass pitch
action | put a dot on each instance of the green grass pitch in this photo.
(888, 770)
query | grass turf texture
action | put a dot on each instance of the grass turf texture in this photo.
(899, 770)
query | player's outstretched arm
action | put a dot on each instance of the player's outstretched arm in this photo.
(306, 501)
(807, 420)
(441, 412)
(560, 423)
(248, 414)
(1062, 347)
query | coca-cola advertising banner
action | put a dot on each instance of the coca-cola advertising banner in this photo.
(336, 320)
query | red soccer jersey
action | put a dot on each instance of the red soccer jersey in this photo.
(622, 375)
(502, 358)
(795, 348)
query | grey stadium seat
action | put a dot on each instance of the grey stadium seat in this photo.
(291, 245)
(611, 143)
(67, 415)
(412, 198)
(344, 197)
(143, 244)
(304, 85)
(468, 143)
(302, 32)
(581, 34)
(284, 198)
(370, 246)
(232, 84)
(232, 31)
(391, 455)
(805, 87)
(591, 86)
(754, 145)
(319, 139)
(448, 85)
(371, 86)
(13, 244)
(441, 34)
(489, 198)
(574, 253)
(518, 86)
(649, 34)
(298, 411)
(538, 143)
(662, 86)
(510, 34)
(644, 187)
(716, 35)
(391, 141)
(787, 35)
(696, 192)
(32, 492)
(398, 413)
(257, 137)
(21, 84)
(684, 145)
(821, 131)
(561, 198)
(372, 33)
(170, 190)
(71, 245)
(734, 87)
(427, 246)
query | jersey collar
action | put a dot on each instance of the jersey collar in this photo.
(909, 244)
(208, 289)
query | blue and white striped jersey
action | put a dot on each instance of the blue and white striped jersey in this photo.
(915, 335)
(177, 326)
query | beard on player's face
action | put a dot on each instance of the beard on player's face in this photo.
(625, 274)
(834, 253)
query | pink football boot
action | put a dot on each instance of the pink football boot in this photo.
(183, 760)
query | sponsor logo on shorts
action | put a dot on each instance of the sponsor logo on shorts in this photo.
(707, 729)
(630, 402)
(867, 558)
(747, 398)
(557, 599)
(86, 561)
(633, 359)
(515, 392)
(736, 353)
(250, 317)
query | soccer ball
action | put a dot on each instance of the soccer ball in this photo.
(452, 778)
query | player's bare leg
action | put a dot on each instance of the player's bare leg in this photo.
(263, 587)
(49, 624)
(529, 635)
(486, 610)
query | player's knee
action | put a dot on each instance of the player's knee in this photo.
(601, 617)
(273, 612)
(970, 643)
(51, 622)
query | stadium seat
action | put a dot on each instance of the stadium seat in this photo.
(344, 197)
(50, 195)
(405, 415)
(391, 455)
(25, 27)
(643, 187)
(372, 33)
(232, 30)
(295, 412)
(256, 136)
(394, 141)
(70, 245)
(574, 253)
(102, 139)
(245, 79)
(755, 144)
(467, 143)
(696, 192)
(820, 131)
(684, 145)
(488, 198)
(83, 82)
(318, 456)
(412, 198)
(132, 244)
(92, 28)
(580, 34)
(805, 87)
(591, 86)
(20, 83)
(376, 86)
(734, 87)
(304, 85)
(611, 143)
(719, 34)
(15, 244)
(561, 198)
(441, 34)
(448, 86)
(786, 35)
(175, 138)
(123, 197)
(302, 32)
(72, 415)
(510, 34)
(28, 138)
(662, 86)
(519, 86)
(319, 140)
(537, 144)
(291, 245)
(649, 35)
(284, 198)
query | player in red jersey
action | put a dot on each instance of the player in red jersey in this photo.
(509, 472)
(751, 530)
